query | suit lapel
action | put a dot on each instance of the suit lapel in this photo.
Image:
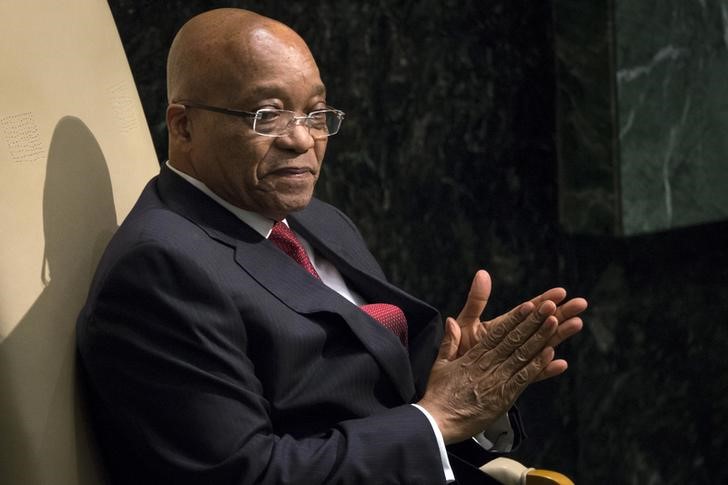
(307, 295)
(298, 290)
(381, 343)
(360, 269)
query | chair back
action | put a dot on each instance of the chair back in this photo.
(75, 152)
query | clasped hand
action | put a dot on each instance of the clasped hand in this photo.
(482, 367)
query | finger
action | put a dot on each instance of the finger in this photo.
(530, 345)
(515, 317)
(477, 298)
(571, 308)
(566, 330)
(500, 327)
(450, 341)
(520, 334)
(556, 295)
(529, 373)
(470, 335)
(553, 369)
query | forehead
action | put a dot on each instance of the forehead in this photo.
(276, 65)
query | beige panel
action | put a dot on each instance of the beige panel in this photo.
(75, 152)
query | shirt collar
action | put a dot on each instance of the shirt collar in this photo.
(262, 225)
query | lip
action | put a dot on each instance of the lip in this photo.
(292, 172)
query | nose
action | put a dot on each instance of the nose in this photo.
(298, 137)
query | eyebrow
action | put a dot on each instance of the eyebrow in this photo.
(275, 89)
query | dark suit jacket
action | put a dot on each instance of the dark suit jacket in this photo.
(211, 357)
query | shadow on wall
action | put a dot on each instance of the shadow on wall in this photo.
(41, 411)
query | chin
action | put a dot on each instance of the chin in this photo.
(300, 205)
(290, 205)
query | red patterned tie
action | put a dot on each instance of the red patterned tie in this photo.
(286, 240)
(390, 316)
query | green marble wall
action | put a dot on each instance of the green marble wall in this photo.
(643, 114)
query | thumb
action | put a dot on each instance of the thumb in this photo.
(450, 341)
(477, 298)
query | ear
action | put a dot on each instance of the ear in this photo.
(178, 124)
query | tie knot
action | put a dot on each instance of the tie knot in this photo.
(285, 239)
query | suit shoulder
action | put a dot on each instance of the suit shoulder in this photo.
(322, 211)
(153, 220)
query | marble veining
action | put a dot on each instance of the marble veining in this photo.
(651, 112)
(667, 53)
(674, 113)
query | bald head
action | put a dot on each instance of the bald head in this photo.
(211, 50)
(224, 62)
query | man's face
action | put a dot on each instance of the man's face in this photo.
(271, 176)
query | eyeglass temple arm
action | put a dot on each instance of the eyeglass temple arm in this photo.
(242, 114)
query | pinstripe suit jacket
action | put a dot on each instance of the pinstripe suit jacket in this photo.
(211, 357)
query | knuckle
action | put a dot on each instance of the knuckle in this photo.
(503, 374)
(515, 318)
(490, 341)
(490, 362)
(514, 337)
(540, 338)
(521, 355)
(540, 363)
(546, 332)
(496, 332)
(485, 363)
(512, 390)
(521, 378)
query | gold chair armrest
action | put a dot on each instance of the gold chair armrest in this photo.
(511, 472)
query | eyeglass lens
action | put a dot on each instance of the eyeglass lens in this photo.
(278, 122)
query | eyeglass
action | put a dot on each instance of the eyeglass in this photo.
(321, 123)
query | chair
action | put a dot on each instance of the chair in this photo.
(510, 472)
(75, 152)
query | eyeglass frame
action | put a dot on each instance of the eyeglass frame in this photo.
(255, 115)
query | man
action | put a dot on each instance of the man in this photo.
(220, 347)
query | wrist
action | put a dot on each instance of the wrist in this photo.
(438, 419)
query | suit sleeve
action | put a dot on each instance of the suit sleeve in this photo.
(164, 350)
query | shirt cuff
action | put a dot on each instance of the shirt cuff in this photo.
(499, 436)
(446, 469)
